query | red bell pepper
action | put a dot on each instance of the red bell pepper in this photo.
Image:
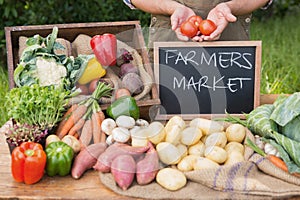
(28, 162)
(105, 49)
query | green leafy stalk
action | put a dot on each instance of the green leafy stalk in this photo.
(37, 105)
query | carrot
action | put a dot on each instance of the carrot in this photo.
(86, 133)
(103, 137)
(278, 162)
(65, 117)
(74, 117)
(79, 124)
(96, 127)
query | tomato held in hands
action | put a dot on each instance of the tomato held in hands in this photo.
(207, 26)
(189, 29)
(195, 19)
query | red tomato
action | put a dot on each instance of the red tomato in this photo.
(207, 26)
(195, 19)
(189, 29)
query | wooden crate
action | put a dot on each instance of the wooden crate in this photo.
(129, 32)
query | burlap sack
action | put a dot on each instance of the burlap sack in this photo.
(240, 181)
(255, 178)
(267, 167)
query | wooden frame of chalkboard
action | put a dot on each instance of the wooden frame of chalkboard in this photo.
(207, 79)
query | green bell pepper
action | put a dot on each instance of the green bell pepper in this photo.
(125, 105)
(59, 158)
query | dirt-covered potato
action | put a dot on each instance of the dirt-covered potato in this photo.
(236, 133)
(216, 139)
(171, 179)
(234, 146)
(168, 153)
(207, 126)
(187, 163)
(197, 149)
(190, 135)
(215, 153)
(234, 157)
(204, 163)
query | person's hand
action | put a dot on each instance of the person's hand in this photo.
(221, 15)
(180, 15)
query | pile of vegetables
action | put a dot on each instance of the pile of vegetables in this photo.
(83, 120)
(278, 124)
(41, 64)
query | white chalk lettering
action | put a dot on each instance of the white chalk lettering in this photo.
(239, 85)
(212, 58)
(232, 84)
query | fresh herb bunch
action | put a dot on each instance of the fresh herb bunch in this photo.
(18, 133)
(42, 106)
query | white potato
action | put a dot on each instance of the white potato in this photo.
(171, 179)
(207, 126)
(204, 163)
(190, 135)
(175, 120)
(187, 163)
(156, 132)
(139, 137)
(168, 153)
(203, 138)
(215, 153)
(182, 150)
(197, 149)
(216, 139)
(173, 134)
(234, 157)
(51, 138)
(235, 133)
(234, 146)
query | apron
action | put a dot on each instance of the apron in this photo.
(160, 25)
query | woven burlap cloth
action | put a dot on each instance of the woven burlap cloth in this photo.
(255, 178)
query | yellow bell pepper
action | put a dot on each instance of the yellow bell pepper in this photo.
(92, 71)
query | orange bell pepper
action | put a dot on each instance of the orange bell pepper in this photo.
(28, 162)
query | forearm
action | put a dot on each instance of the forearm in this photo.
(241, 7)
(166, 7)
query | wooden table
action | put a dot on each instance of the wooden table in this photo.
(88, 187)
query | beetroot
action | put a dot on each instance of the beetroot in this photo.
(123, 169)
(133, 83)
(147, 168)
(128, 68)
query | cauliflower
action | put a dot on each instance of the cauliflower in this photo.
(49, 72)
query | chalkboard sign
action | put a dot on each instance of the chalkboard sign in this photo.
(207, 79)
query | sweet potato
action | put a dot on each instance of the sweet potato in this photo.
(104, 161)
(87, 158)
(147, 168)
(123, 169)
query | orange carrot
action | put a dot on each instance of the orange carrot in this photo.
(86, 133)
(74, 117)
(79, 124)
(103, 137)
(278, 162)
(65, 117)
(96, 127)
(101, 115)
